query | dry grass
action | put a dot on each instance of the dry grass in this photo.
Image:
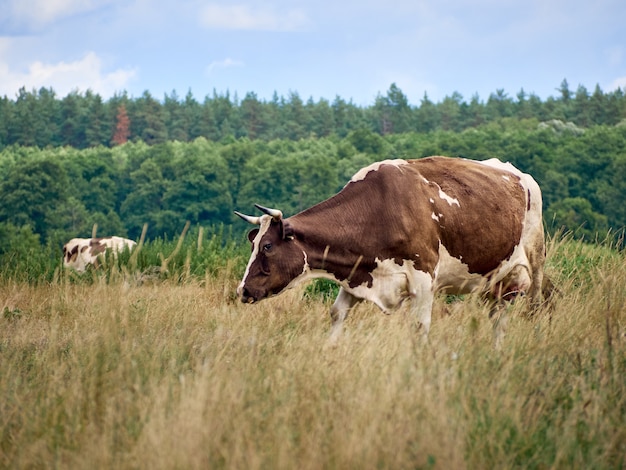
(180, 376)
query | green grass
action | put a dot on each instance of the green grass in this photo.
(112, 370)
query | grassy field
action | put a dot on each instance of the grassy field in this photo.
(175, 373)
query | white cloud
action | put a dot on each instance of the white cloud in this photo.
(65, 77)
(244, 17)
(36, 13)
(223, 64)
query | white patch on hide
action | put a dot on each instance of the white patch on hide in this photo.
(392, 284)
(266, 220)
(362, 173)
(452, 276)
(450, 200)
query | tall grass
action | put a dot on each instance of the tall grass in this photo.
(195, 253)
(112, 371)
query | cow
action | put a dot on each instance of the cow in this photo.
(408, 229)
(79, 253)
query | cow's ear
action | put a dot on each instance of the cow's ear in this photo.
(288, 232)
(252, 234)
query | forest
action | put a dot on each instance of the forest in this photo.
(69, 163)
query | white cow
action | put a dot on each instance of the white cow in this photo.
(78, 253)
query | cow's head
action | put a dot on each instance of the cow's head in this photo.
(276, 259)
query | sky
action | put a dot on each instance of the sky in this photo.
(322, 49)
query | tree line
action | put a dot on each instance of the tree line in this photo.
(52, 194)
(81, 120)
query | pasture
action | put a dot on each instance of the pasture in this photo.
(112, 370)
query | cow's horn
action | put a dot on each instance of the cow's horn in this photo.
(273, 212)
(249, 218)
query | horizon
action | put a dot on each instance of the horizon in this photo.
(237, 98)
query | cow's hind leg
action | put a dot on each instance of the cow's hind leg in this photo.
(517, 283)
(339, 312)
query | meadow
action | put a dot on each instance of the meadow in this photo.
(115, 370)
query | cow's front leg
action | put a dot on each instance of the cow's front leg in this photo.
(420, 288)
(339, 312)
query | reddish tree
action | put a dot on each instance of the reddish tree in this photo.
(122, 127)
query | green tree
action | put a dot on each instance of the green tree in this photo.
(236, 155)
(24, 126)
(499, 105)
(598, 106)
(176, 119)
(207, 124)
(253, 120)
(322, 119)
(576, 215)
(347, 117)
(366, 141)
(475, 114)
(108, 223)
(392, 111)
(450, 112)
(98, 130)
(6, 115)
(272, 181)
(30, 193)
(317, 181)
(47, 118)
(199, 191)
(146, 119)
(73, 128)
(144, 202)
(427, 115)
(580, 107)
(17, 241)
(524, 110)
(223, 112)
(296, 118)
(67, 220)
(193, 111)
(565, 111)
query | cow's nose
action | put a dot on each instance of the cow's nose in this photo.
(245, 295)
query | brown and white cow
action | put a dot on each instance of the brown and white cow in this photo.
(406, 229)
(78, 253)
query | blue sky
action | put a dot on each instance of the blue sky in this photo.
(318, 49)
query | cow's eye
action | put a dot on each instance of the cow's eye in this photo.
(267, 247)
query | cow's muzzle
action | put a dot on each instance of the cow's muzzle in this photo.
(245, 295)
(247, 300)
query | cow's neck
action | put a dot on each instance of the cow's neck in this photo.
(326, 233)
